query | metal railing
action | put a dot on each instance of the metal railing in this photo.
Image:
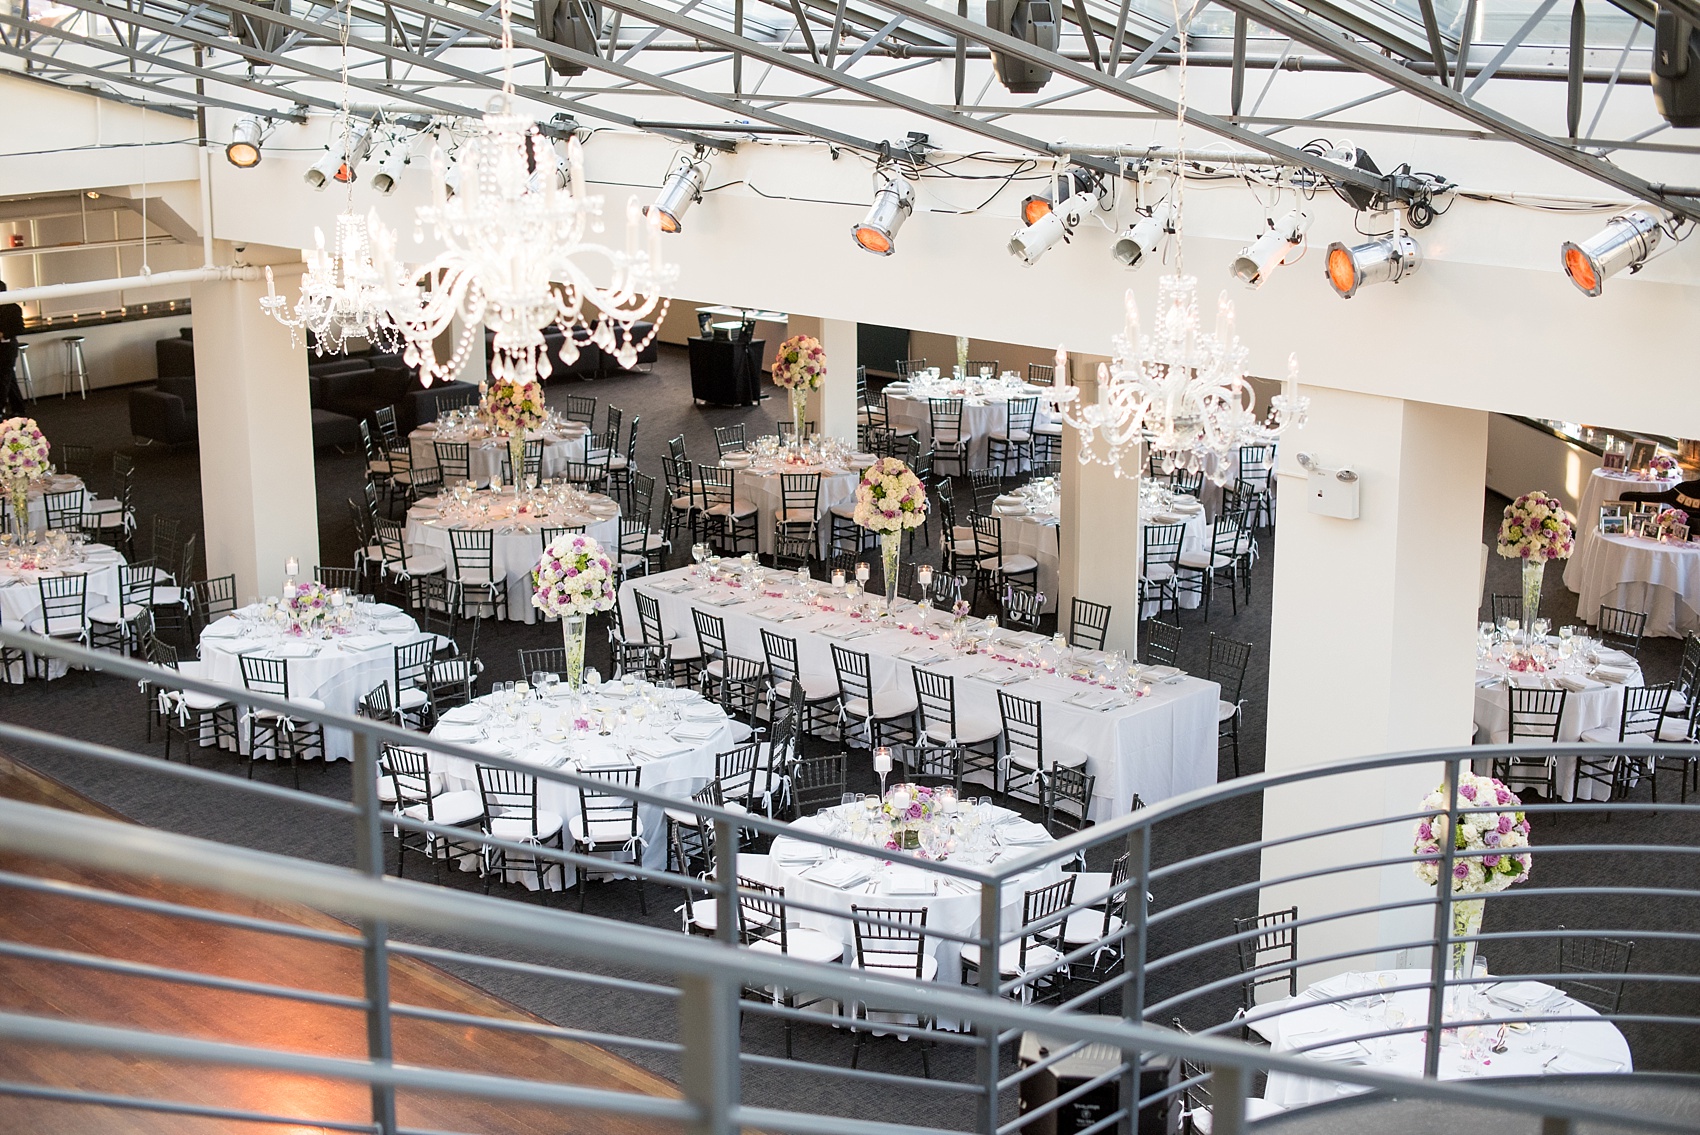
(1161, 956)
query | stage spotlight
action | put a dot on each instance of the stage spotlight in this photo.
(1140, 239)
(681, 190)
(342, 157)
(894, 200)
(1385, 260)
(1269, 251)
(1626, 242)
(394, 162)
(245, 138)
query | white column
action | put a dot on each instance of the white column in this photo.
(1372, 650)
(256, 432)
(833, 407)
(1098, 540)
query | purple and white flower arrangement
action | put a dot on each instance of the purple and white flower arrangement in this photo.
(573, 577)
(1536, 528)
(800, 363)
(890, 497)
(1499, 833)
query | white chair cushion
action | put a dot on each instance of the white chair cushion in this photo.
(62, 625)
(815, 688)
(386, 788)
(1039, 956)
(456, 808)
(1225, 710)
(198, 702)
(963, 546)
(1092, 887)
(1012, 565)
(412, 697)
(795, 516)
(420, 561)
(969, 731)
(809, 945)
(608, 835)
(929, 970)
(737, 509)
(887, 704)
(1159, 572)
(167, 596)
(112, 613)
(1085, 926)
(1054, 429)
(843, 511)
(1601, 735)
(704, 915)
(518, 829)
(1017, 436)
(1672, 729)
(1203, 560)
(684, 650)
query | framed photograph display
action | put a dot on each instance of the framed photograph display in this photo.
(1617, 524)
(1679, 534)
(1641, 451)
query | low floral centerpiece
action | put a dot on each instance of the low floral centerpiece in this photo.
(1498, 835)
(514, 408)
(1663, 465)
(1536, 529)
(23, 458)
(908, 808)
(799, 367)
(307, 605)
(1664, 525)
(890, 500)
(573, 579)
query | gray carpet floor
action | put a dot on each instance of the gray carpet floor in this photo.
(109, 711)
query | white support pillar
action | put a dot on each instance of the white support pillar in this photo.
(833, 407)
(256, 432)
(1372, 650)
(1098, 538)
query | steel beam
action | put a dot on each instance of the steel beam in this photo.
(1279, 17)
(1436, 49)
(1510, 45)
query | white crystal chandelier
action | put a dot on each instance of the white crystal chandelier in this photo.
(1180, 392)
(516, 256)
(345, 295)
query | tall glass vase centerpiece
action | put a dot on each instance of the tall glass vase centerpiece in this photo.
(23, 458)
(515, 407)
(573, 579)
(890, 500)
(1536, 529)
(799, 367)
(1488, 845)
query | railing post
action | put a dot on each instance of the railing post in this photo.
(1227, 1099)
(375, 953)
(1133, 965)
(708, 1028)
(726, 881)
(1442, 959)
(991, 909)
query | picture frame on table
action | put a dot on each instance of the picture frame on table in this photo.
(1641, 452)
(1616, 524)
(1641, 524)
(1612, 461)
(1679, 534)
(1617, 510)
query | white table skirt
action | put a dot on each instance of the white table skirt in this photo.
(677, 775)
(1290, 1024)
(1603, 487)
(950, 910)
(338, 674)
(20, 596)
(1196, 535)
(515, 551)
(1160, 746)
(484, 455)
(1583, 710)
(980, 420)
(1637, 574)
(765, 491)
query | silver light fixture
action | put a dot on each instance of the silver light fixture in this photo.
(681, 190)
(1138, 241)
(243, 152)
(894, 200)
(1627, 241)
(342, 157)
(393, 164)
(1257, 260)
(1385, 260)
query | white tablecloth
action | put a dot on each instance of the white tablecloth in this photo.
(37, 507)
(20, 592)
(518, 543)
(1603, 487)
(1576, 1046)
(1159, 746)
(676, 759)
(484, 454)
(338, 672)
(1601, 704)
(765, 490)
(953, 909)
(1637, 574)
(981, 417)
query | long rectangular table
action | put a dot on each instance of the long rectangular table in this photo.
(1160, 745)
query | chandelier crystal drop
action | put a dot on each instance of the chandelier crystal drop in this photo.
(518, 256)
(1182, 392)
(345, 296)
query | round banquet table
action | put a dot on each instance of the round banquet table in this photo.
(982, 414)
(1604, 486)
(1574, 1047)
(1195, 541)
(338, 671)
(1598, 703)
(794, 864)
(20, 589)
(1638, 574)
(758, 482)
(485, 451)
(518, 540)
(675, 757)
(1037, 534)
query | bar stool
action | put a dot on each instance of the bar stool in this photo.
(26, 380)
(76, 367)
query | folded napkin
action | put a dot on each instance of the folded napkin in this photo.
(920, 655)
(1188, 507)
(701, 731)
(364, 642)
(1617, 674)
(1010, 509)
(839, 874)
(722, 600)
(1023, 834)
(604, 760)
(862, 460)
(1573, 683)
(224, 628)
(1163, 673)
(1010, 498)
(660, 749)
(455, 731)
(490, 748)
(1523, 995)
(1612, 657)
(1346, 1052)
(465, 713)
(908, 881)
(295, 650)
(1000, 675)
(705, 711)
(1092, 699)
(671, 587)
(845, 634)
(794, 853)
(1580, 1064)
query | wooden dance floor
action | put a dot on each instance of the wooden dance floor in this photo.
(56, 989)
